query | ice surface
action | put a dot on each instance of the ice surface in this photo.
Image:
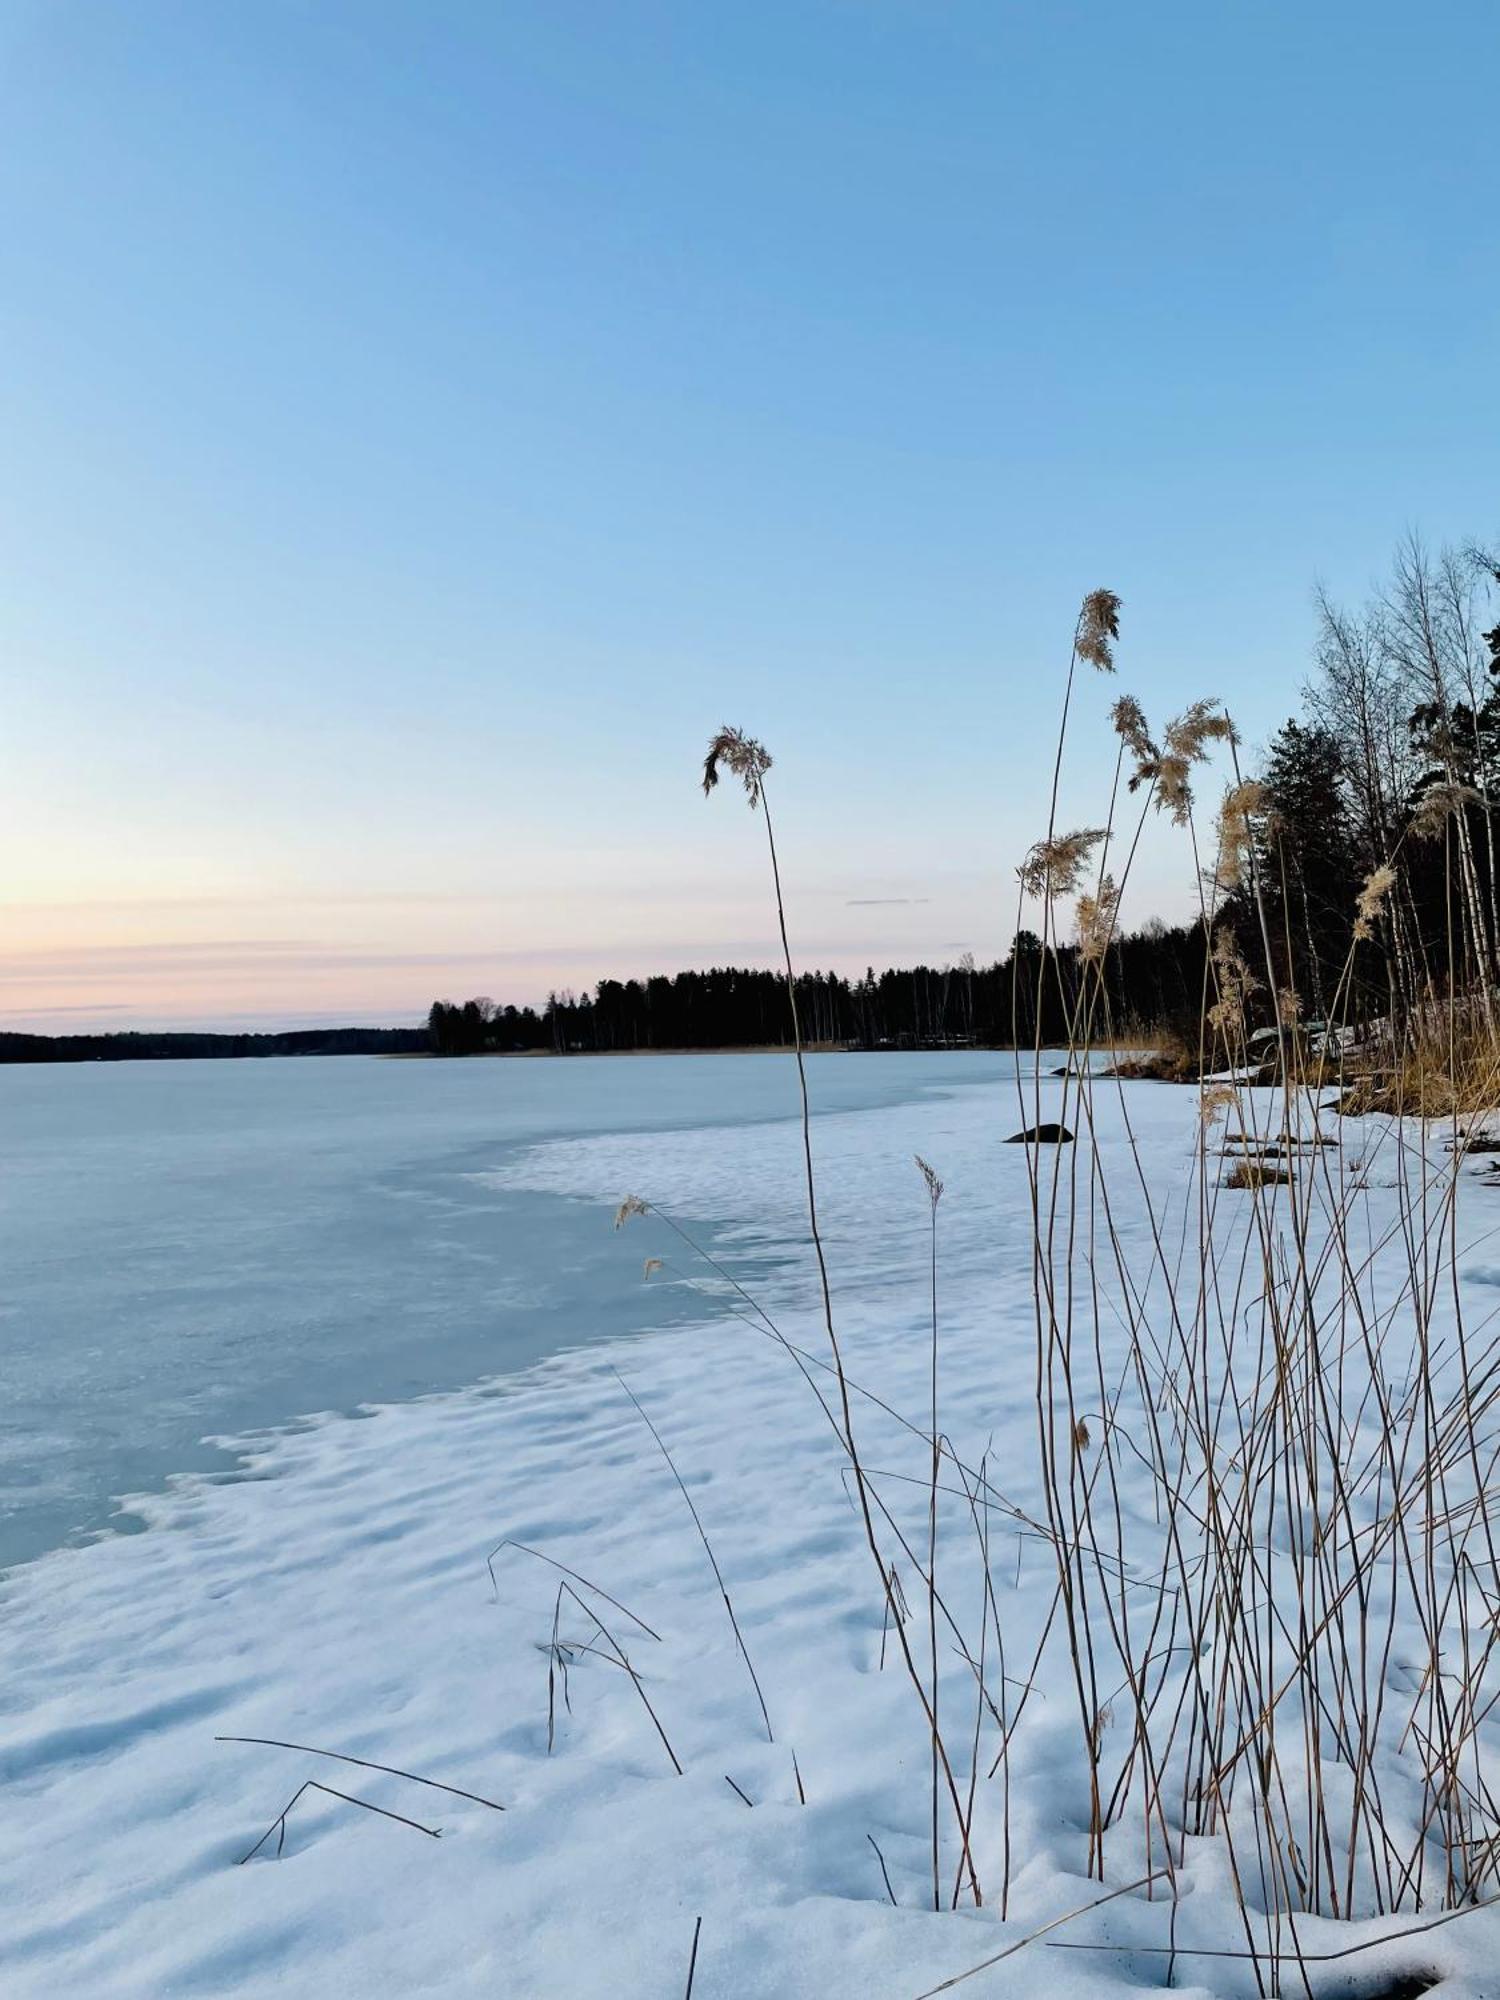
(340, 1596)
(190, 1249)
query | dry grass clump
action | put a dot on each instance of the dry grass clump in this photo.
(1172, 1061)
(1443, 1062)
(1257, 1174)
(1410, 1091)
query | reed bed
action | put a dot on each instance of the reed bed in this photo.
(1290, 1650)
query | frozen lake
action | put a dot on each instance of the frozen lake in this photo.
(211, 1248)
(193, 1249)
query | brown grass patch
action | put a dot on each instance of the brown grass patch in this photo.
(1256, 1174)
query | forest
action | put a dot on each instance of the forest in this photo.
(1155, 976)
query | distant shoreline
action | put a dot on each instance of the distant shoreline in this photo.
(188, 1045)
(729, 1049)
(392, 1044)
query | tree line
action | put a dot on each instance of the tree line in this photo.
(1372, 818)
(1152, 975)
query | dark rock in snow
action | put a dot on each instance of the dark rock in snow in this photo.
(1042, 1135)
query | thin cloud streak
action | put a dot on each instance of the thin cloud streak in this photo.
(357, 984)
(332, 899)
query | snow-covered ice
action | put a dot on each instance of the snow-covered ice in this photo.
(203, 1247)
(338, 1595)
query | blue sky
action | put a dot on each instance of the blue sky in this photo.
(425, 424)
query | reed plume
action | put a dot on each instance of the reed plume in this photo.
(1054, 867)
(1235, 983)
(1370, 902)
(1216, 1098)
(1098, 625)
(741, 755)
(1129, 720)
(1185, 744)
(1437, 806)
(1241, 805)
(1095, 920)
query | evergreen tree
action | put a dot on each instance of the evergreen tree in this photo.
(1309, 871)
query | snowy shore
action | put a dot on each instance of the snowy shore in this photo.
(339, 1596)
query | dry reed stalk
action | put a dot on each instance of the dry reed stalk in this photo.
(1068, 1917)
(366, 1764)
(278, 1825)
(750, 761)
(885, 1873)
(708, 1549)
(556, 1657)
(934, 1195)
(509, 1543)
(618, 1657)
(693, 1959)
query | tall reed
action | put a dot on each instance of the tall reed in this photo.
(1316, 1416)
(1267, 1431)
